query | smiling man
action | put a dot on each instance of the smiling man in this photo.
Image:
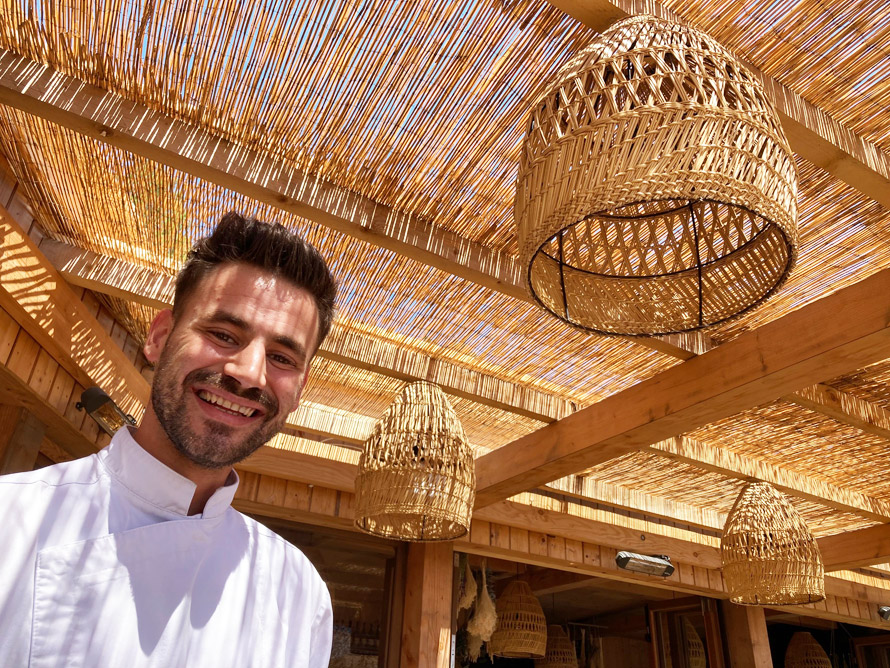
(134, 557)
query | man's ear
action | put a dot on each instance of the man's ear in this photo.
(158, 333)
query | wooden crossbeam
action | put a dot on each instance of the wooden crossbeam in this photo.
(730, 464)
(843, 331)
(845, 408)
(108, 117)
(856, 549)
(811, 133)
(34, 293)
(123, 279)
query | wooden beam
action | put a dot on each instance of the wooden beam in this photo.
(427, 619)
(727, 463)
(856, 549)
(744, 630)
(52, 405)
(34, 293)
(846, 330)
(129, 281)
(566, 521)
(811, 133)
(845, 408)
(625, 498)
(108, 117)
(21, 434)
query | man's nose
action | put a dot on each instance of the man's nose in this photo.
(247, 365)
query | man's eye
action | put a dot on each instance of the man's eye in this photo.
(222, 336)
(282, 360)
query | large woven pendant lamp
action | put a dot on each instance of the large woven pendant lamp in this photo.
(656, 190)
(769, 555)
(417, 476)
(560, 651)
(522, 627)
(804, 652)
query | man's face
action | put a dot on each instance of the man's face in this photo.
(232, 366)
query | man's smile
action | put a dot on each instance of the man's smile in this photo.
(225, 405)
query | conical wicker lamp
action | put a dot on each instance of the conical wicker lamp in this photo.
(804, 652)
(769, 555)
(522, 628)
(656, 190)
(560, 651)
(696, 656)
(417, 477)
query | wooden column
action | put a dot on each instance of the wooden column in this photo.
(20, 437)
(426, 621)
(746, 640)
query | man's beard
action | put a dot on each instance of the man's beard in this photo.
(217, 447)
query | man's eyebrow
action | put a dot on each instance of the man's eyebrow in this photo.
(285, 341)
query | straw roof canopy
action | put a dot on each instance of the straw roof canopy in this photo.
(389, 135)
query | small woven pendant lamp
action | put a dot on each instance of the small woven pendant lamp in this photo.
(417, 476)
(696, 656)
(804, 652)
(656, 191)
(522, 627)
(560, 651)
(769, 555)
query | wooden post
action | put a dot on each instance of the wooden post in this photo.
(426, 621)
(20, 437)
(746, 640)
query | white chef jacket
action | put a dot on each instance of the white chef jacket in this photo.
(100, 565)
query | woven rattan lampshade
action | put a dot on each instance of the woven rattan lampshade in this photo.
(804, 652)
(522, 627)
(560, 651)
(769, 555)
(656, 190)
(693, 647)
(417, 477)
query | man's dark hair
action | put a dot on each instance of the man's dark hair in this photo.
(269, 246)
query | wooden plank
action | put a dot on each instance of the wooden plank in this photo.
(811, 133)
(38, 298)
(63, 429)
(21, 435)
(845, 330)
(856, 549)
(305, 468)
(724, 462)
(845, 408)
(744, 631)
(561, 525)
(426, 621)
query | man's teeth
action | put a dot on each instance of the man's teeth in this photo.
(224, 403)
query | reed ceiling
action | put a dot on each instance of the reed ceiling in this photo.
(421, 107)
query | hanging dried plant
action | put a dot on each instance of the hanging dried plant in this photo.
(485, 618)
(469, 596)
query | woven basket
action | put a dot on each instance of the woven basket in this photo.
(769, 555)
(522, 628)
(804, 652)
(417, 477)
(696, 656)
(560, 651)
(656, 190)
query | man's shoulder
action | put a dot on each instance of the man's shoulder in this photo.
(274, 549)
(77, 472)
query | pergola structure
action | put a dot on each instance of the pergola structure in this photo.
(388, 134)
